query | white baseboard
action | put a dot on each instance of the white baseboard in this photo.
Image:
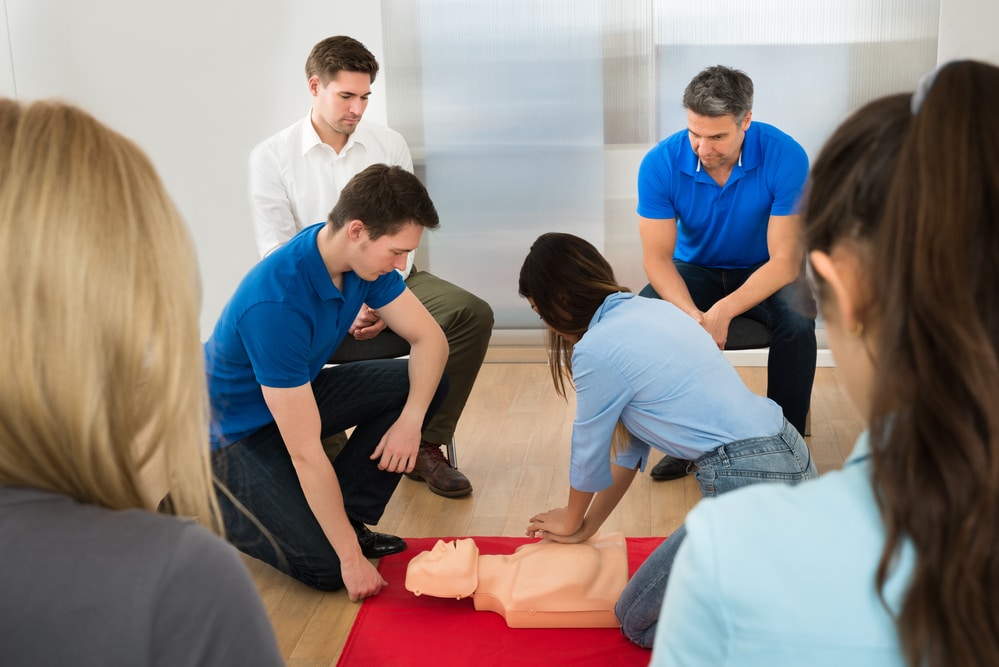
(527, 346)
(759, 358)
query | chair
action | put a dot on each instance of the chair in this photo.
(386, 345)
(745, 333)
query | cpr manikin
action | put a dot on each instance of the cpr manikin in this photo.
(540, 585)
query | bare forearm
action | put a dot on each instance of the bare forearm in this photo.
(426, 366)
(605, 501)
(322, 491)
(761, 285)
(298, 420)
(669, 285)
(658, 244)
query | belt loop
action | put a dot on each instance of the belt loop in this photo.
(786, 435)
(722, 456)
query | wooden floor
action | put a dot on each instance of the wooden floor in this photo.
(513, 444)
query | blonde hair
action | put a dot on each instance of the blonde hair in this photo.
(104, 375)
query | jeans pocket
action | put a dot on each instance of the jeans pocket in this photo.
(706, 479)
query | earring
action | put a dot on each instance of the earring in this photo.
(857, 331)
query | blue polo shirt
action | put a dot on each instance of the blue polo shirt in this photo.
(279, 330)
(648, 364)
(723, 227)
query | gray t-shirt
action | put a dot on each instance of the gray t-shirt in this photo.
(82, 585)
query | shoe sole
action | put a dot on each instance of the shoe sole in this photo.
(440, 492)
(668, 478)
(382, 555)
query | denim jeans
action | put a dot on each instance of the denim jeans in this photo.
(789, 313)
(258, 471)
(779, 458)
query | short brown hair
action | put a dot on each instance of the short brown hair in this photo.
(334, 54)
(385, 199)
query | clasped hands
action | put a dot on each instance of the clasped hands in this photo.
(557, 526)
(367, 324)
(715, 323)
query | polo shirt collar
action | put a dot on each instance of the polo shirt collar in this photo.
(752, 149)
(749, 157)
(319, 276)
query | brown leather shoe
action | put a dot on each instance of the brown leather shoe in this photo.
(443, 479)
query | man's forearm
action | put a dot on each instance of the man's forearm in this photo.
(426, 367)
(669, 285)
(761, 285)
(322, 492)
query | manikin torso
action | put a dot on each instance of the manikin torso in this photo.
(541, 585)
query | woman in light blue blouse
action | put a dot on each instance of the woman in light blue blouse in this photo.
(894, 560)
(646, 376)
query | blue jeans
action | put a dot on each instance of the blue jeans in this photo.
(258, 472)
(779, 458)
(789, 313)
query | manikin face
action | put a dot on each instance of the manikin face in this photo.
(387, 253)
(338, 106)
(448, 570)
(717, 140)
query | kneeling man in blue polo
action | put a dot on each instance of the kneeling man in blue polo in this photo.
(273, 399)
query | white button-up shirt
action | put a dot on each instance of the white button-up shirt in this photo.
(296, 179)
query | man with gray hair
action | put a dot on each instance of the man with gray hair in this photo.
(721, 235)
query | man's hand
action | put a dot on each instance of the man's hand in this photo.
(716, 322)
(367, 324)
(555, 525)
(361, 579)
(398, 448)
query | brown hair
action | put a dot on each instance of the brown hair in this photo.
(935, 422)
(568, 279)
(334, 54)
(384, 198)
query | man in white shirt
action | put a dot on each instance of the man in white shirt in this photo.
(295, 180)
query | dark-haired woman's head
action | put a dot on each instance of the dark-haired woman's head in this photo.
(565, 279)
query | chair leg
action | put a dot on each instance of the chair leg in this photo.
(452, 457)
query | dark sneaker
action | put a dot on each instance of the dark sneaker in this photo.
(441, 477)
(671, 468)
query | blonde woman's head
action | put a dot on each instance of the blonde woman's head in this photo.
(102, 394)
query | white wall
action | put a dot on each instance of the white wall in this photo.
(968, 30)
(197, 84)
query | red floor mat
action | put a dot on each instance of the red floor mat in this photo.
(397, 628)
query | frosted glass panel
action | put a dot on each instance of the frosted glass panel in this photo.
(512, 129)
(527, 116)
